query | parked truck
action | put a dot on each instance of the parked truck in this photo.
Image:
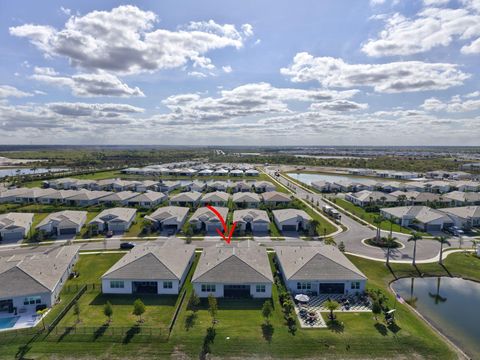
(328, 210)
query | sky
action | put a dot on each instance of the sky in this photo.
(305, 72)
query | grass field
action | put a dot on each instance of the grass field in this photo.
(239, 332)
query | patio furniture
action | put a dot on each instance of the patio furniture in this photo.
(302, 298)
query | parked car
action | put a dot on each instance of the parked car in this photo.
(454, 230)
(127, 245)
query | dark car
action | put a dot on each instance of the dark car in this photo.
(127, 245)
(109, 234)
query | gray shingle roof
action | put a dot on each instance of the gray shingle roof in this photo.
(31, 274)
(148, 197)
(251, 215)
(190, 196)
(234, 264)
(204, 214)
(246, 197)
(215, 196)
(275, 196)
(118, 213)
(153, 262)
(11, 220)
(119, 196)
(71, 216)
(317, 263)
(166, 212)
(285, 214)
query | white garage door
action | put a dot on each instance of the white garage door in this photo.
(14, 236)
(116, 227)
(260, 227)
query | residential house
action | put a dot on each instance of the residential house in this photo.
(252, 172)
(169, 217)
(221, 172)
(147, 199)
(206, 172)
(233, 271)
(467, 186)
(146, 185)
(460, 198)
(33, 282)
(236, 172)
(150, 269)
(367, 197)
(263, 186)
(464, 217)
(438, 186)
(216, 198)
(57, 197)
(191, 198)
(275, 198)
(419, 217)
(204, 219)
(32, 195)
(15, 226)
(167, 186)
(218, 186)
(86, 197)
(246, 200)
(10, 195)
(243, 186)
(198, 186)
(291, 219)
(319, 270)
(67, 222)
(253, 220)
(118, 198)
(115, 219)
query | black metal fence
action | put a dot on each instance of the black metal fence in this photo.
(66, 308)
(108, 333)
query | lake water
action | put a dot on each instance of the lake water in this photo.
(26, 171)
(309, 178)
(450, 304)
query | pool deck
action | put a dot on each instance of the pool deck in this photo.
(24, 321)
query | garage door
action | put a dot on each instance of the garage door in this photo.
(68, 231)
(116, 227)
(434, 227)
(212, 227)
(11, 236)
(332, 288)
(289, 227)
(261, 227)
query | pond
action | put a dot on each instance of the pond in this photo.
(309, 178)
(26, 171)
(449, 304)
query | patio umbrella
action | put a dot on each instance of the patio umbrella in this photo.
(302, 298)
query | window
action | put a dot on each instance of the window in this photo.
(260, 288)
(304, 286)
(208, 288)
(32, 300)
(117, 284)
(167, 285)
(355, 285)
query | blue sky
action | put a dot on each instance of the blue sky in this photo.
(245, 72)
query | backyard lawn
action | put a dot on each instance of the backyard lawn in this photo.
(92, 266)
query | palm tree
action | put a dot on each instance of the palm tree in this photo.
(437, 297)
(331, 305)
(442, 240)
(390, 242)
(378, 221)
(415, 236)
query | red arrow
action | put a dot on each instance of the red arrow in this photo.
(224, 224)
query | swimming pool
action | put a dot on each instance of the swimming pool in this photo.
(9, 322)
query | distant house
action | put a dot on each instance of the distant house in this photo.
(167, 186)
(66, 222)
(205, 172)
(150, 269)
(147, 199)
(146, 185)
(243, 186)
(118, 198)
(10, 195)
(196, 185)
(263, 186)
(246, 200)
(15, 226)
(460, 198)
(86, 197)
(83, 184)
(32, 195)
(252, 172)
(236, 172)
(419, 198)
(30, 283)
(234, 271)
(251, 220)
(221, 172)
(291, 219)
(438, 186)
(468, 186)
(366, 197)
(186, 199)
(216, 198)
(322, 186)
(420, 217)
(218, 185)
(319, 270)
(204, 219)
(115, 219)
(169, 217)
(464, 217)
(57, 197)
(275, 198)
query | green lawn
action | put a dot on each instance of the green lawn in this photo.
(136, 229)
(92, 266)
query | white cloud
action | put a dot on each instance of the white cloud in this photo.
(88, 85)
(376, 2)
(125, 41)
(10, 91)
(65, 11)
(432, 27)
(395, 77)
(197, 74)
(338, 106)
(455, 105)
(227, 69)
